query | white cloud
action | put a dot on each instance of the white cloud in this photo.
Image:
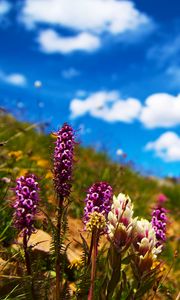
(13, 79)
(167, 146)
(89, 19)
(96, 16)
(107, 106)
(51, 42)
(158, 111)
(5, 7)
(70, 73)
(161, 110)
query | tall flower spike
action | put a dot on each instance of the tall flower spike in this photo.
(63, 160)
(98, 204)
(26, 203)
(159, 221)
(121, 222)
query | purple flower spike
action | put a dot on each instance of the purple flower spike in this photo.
(26, 203)
(159, 221)
(99, 200)
(63, 160)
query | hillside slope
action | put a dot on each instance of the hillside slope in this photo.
(25, 149)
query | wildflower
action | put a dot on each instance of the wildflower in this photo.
(121, 222)
(98, 203)
(161, 198)
(43, 163)
(62, 173)
(6, 180)
(16, 154)
(26, 203)
(96, 220)
(63, 159)
(144, 245)
(159, 221)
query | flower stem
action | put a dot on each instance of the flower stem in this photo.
(27, 259)
(90, 250)
(116, 272)
(58, 241)
(28, 263)
(93, 268)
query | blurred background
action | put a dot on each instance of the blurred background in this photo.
(110, 68)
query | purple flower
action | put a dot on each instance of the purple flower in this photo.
(26, 203)
(63, 159)
(98, 200)
(159, 221)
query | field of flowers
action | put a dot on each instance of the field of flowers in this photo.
(112, 233)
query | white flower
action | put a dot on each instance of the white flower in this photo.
(121, 223)
(145, 241)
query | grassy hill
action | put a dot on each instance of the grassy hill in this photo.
(25, 149)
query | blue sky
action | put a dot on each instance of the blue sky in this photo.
(110, 68)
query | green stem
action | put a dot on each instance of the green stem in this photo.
(134, 296)
(58, 237)
(116, 273)
(93, 268)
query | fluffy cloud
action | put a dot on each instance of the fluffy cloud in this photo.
(96, 16)
(51, 42)
(107, 106)
(161, 110)
(89, 19)
(13, 79)
(167, 147)
(158, 110)
(5, 7)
